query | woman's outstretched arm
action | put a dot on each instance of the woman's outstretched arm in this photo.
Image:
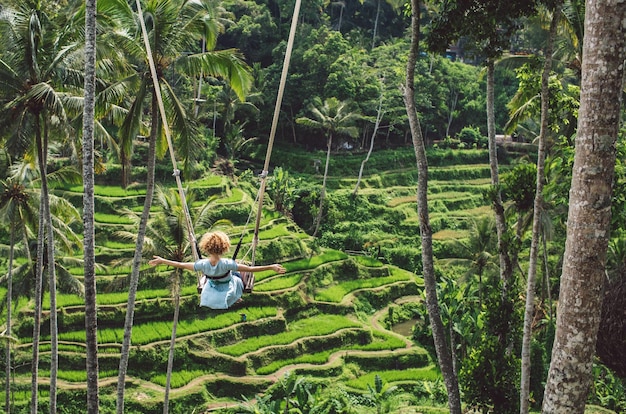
(275, 267)
(158, 260)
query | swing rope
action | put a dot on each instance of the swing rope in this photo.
(279, 100)
(263, 175)
(166, 129)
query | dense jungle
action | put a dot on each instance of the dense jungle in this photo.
(443, 183)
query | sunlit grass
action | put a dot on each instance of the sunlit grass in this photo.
(110, 191)
(335, 293)
(115, 298)
(429, 373)
(111, 219)
(314, 326)
(278, 283)
(178, 379)
(146, 333)
(381, 342)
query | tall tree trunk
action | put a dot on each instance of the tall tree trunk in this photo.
(52, 286)
(318, 219)
(34, 389)
(430, 283)
(506, 268)
(134, 278)
(589, 216)
(7, 404)
(537, 213)
(170, 358)
(89, 253)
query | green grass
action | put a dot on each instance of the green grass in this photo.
(382, 341)
(178, 379)
(111, 244)
(111, 219)
(314, 326)
(236, 196)
(109, 191)
(150, 332)
(327, 256)
(318, 358)
(279, 283)
(208, 181)
(337, 292)
(429, 373)
(269, 234)
(78, 375)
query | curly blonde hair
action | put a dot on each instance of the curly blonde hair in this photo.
(216, 242)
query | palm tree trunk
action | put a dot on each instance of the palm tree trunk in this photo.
(318, 219)
(537, 213)
(52, 286)
(134, 278)
(34, 389)
(7, 404)
(589, 215)
(430, 284)
(91, 317)
(170, 358)
(506, 268)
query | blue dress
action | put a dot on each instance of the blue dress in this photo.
(222, 293)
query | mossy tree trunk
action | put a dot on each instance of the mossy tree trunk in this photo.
(589, 216)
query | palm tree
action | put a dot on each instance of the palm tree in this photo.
(175, 27)
(166, 236)
(537, 216)
(15, 209)
(333, 117)
(479, 248)
(89, 252)
(31, 74)
(444, 356)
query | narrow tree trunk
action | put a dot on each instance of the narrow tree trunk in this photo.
(379, 116)
(52, 286)
(91, 316)
(134, 278)
(38, 280)
(7, 405)
(430, 283)
(589, 216)
(506, 269)
(376, 23)
(318, 219)
(170, 358)
(537, 213)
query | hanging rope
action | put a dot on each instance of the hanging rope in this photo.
(279, 100)
(170, 146)
(264, 173)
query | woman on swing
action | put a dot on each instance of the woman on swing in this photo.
(224, 286)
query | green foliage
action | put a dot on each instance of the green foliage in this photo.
(608, 390)
(429, 373)
(471, 137)
(483, 386)
(314, 326)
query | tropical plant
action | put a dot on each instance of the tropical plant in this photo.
(167, 235)
(334, 118)
(444, 356)
(175, 28)
(32, 76)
